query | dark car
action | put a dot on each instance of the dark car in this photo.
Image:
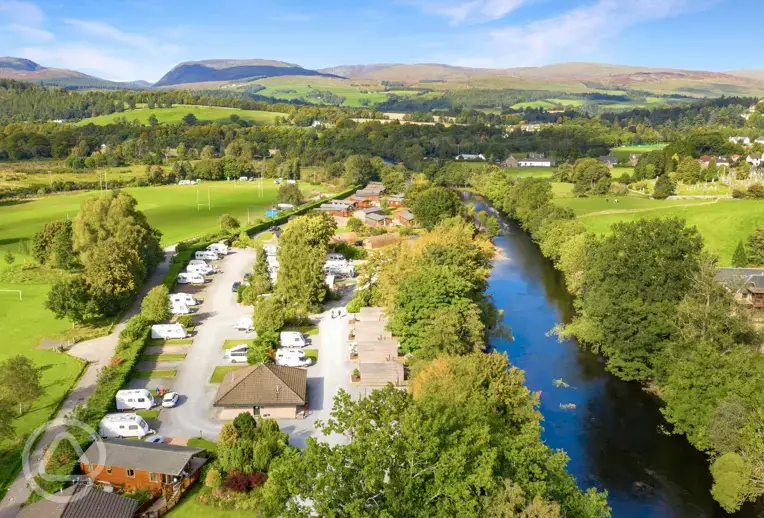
(235, 286)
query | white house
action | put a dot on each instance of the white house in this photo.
(740, 140)
(466, 156)
(754, 159)
(535, 162)
(759, 140)
(531, 128)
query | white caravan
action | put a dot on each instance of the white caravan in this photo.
(292, 359)
(207, 255)
(197, 261)
(335, 257)
(123, 425)
(218, 248)
(244, 324)
(190, 278)
(179, 308)
(237, 354)
(270, 249)
(183, 298)
(201, 269)
(168, 331)
(138, 399)
(293, 339)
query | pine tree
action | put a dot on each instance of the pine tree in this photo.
(740, 258)
(664, 188)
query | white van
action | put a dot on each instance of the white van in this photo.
(207, 255)
(237, 354)
(139, 399)
(123, 425)
(292, 359)
(179, 308)
(190, 278)
(201, 269)
(218, 248)
(183, 298)
(168, 331)
(244, 324)
(293, 339)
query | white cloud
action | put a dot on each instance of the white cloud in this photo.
(83, 58)
(473, 10)
(31, 32)
(132, 39)
(25, 13)
(571, 35)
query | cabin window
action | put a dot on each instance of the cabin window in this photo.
(141, 400)
(130, 473)
(133, 427)
(108, 470)
(154, 477)
(167, 479)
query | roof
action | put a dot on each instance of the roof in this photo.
(370, 330)
(377, 217)
(345, 237)
(140, 455)
(263, 385)
(376, 351)
(371, 210)
(405, 214)
(741, 277)
(396, 197)
(382, 240)
(535, 160)
(381, 373)
(375, 314)
(86, 502)
(609, 158)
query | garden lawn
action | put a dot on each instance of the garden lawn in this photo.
(155, 342)
(312, 354)
(175, 114)
(190, 507)
(149, 414)
(722, 223)
(220, 371)
(535, 172)
(230, 344)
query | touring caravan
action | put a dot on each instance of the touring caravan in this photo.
(292, 359)
(179, 308)
(218, 248)
(201, 269)
(237, 354)
(197, 261)
(206, 255)
(138, 399)
(244, 324)
(293, 339)
(123, 425)
(183, 298)
(168, 331)
(190, 278)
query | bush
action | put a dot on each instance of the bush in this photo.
(756, 191)
(228, 222)
(257, 479)
(619, 189)
(236, 481)
(270, 315)
(186, 321)
(739, 193)
(213, 478)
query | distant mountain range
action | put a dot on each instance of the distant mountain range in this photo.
(563, 77)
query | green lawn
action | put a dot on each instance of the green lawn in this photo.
(535, 172)
(149, 414)
(176, 113)
(562, 190)
(722, 223)
(155, 342)
(170, 357)
(166, 373)
(230, 344)
(220, 371)
(201, 442)
(190, 507)
(312, 354)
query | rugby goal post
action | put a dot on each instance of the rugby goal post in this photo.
(13, 291)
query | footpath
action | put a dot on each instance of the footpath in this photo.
(97, 352)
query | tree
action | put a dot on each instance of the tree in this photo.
(395, 179)
(71, 299)
(742, 170)
(7, 415)
(9, 257)
(664, 187)
(590, 176)
(358, 170)
(261, 278)
(290, 193)
(727, 422)
(156, 304)
(732, 481)
(228, 222)
(650, 165)
(269, 315)
(434, 205)
(492, 227)
(20, 382)
(189, 119)
(740, 258)
(354, 224)
(688, 170)
(63, 254)
(755, 247)
(482, 217)
(152, 120)
(263, 347)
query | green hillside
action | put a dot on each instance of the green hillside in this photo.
(175, 114)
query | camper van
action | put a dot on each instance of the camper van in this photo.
(168, 331)
(201, 269)
(139, 399)
(179, 308)
(206, 255)
(190, 278)
(293, 339)
(237, 354)
(183, 298)
(292, 359)
(123, 425)
(244, 324)
(218, 248)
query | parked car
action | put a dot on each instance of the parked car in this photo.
(154, 439)
(170, 400)
(237, 354)
(235, 286)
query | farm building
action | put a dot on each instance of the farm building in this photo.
(266, 390)
(511, 162)
(609, 160)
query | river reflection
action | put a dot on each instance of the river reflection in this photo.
(612, 436)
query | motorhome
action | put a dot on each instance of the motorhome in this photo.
(168, 331)
(218, 248)
(190, 278)
(138, 399)
(293, 339)
(244, 324)
(123, 425)
(179, 308)
(207, 255)
(201, 269)
(237, 354)
(183, 298)
(292, 359)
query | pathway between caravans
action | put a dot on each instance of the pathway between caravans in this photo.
(97, 353)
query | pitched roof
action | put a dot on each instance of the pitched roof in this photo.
(405, 214)
(371, 314)
(609, 158)
(139, 455)
(85, 502)
(381, 373)
(739, 278)
(371, 210)
(375, 216)
(263, 385)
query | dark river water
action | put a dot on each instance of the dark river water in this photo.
(613, 436)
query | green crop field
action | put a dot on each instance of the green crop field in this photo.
(722, 223)
(176, 113)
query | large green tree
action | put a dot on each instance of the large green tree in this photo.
(436, 204)
(20, 382)
(155, 306)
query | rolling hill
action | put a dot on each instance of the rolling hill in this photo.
(26, 70)
(215, 70)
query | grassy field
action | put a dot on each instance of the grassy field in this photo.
(220, 371)
(535, 172)
(722, 223)
(176, 113)
(532, 104)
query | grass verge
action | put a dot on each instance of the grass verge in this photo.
(219, 373)
(169, 357)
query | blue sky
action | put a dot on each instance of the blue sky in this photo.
(143, 39)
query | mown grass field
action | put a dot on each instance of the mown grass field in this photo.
(722, 223)
(175, 114)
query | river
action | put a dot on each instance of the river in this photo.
(613, 435)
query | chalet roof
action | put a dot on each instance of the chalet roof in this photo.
(371, 331)
(86, 502)
(373, 314)
(609, 159)
(377, 351)
(739, 278)
(396, 197)
(139, 455)
(405, 214)
(263, 385)
(375, 216)
(382, 240)
(382, 373)
(371, 210)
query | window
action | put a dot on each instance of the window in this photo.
(90, 468)
(108, 470)
(167, 479)
(154, 477)
(131, 473)
(133, 427)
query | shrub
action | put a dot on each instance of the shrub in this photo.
(228, 222)
(236, 481)
(756, 191)
(257, 479)
(739, 193)
(213, 478)
(356, 373)
(619, 189)
(186, 321)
